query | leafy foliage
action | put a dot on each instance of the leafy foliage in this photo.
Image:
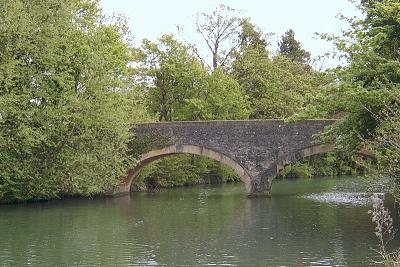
(277, 87)
(63, 124)
(180, 88)
(172, 76)
(291, 48)
(371, 80)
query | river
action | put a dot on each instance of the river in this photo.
(321, 222)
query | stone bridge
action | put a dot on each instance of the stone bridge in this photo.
(255, 149)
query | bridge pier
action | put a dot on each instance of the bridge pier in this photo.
(120, 190)
(261, 183)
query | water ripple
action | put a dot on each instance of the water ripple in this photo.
(341, 198)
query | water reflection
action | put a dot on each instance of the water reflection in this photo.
(193, 226)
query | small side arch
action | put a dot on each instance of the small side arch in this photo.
(302, 153)
(313, 150)
(156, 154)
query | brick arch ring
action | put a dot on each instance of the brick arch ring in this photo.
(156, 154)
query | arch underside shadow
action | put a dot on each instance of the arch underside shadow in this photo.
(156, 154)
(301, 154)
(310, 151)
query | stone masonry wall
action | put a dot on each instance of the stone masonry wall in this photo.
(256, 145)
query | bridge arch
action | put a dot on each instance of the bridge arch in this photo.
(300, 154)
(156, 154)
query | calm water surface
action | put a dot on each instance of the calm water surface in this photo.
(322, 222)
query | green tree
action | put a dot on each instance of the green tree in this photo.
(63, 116)
(219, 30)
(172, 75)
(251, 37)
(180, 88)
(277, 87)
(371, 80)
(225, 99)
(291, 48)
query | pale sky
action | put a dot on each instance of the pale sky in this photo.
(152, 18)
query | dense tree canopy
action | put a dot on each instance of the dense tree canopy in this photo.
(278, 87)
(371, 80)
(63, 126)
(172, 75)
(179, 87)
